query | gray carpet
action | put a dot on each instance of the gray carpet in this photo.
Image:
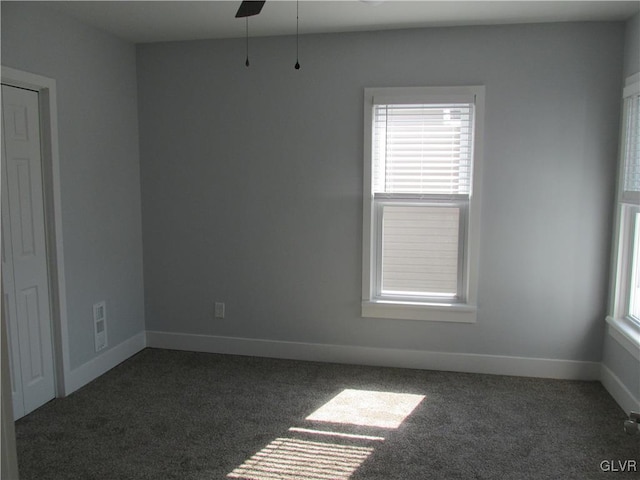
(180, 415)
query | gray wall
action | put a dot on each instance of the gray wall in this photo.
(99, 163)
(252, 184)
(632, 46)
(615, 357)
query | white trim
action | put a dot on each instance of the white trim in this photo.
(462, 313)
(623, 253)
(413, 95)
(46, 88)
(618, 390)
(101, 364)
(368, 264)
(387, 357)
(8, 452)
(626, 334)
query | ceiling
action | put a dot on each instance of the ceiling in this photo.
(156, 21)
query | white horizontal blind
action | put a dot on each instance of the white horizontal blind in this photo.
(420, 250)
(422, 152)
(631, 184)
(422, 149)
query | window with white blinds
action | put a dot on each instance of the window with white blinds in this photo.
(419, 170)
(421, 154)
(631, 149)
(625, 290)
(631, 192)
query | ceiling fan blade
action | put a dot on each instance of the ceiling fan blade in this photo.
(250, 8)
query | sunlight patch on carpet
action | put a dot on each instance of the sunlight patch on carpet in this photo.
(295, 459)
(352, 436)
(337, 458)
(367, 408)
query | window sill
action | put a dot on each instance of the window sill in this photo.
(626, 333)
(434, 312)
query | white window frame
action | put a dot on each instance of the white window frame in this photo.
(464, 308)
(624, 327)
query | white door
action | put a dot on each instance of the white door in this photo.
(24, 255)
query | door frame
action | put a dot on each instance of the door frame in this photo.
(47, 104)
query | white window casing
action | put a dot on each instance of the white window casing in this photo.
(422, 170)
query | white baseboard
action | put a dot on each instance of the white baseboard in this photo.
(618, 390)
(387, 357)
(101, 364)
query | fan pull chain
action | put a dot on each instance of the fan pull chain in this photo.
(247, 35)
(297, 66)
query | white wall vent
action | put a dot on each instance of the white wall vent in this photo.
(100, 325)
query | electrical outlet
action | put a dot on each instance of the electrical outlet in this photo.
(219, 310)
(100, 325)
